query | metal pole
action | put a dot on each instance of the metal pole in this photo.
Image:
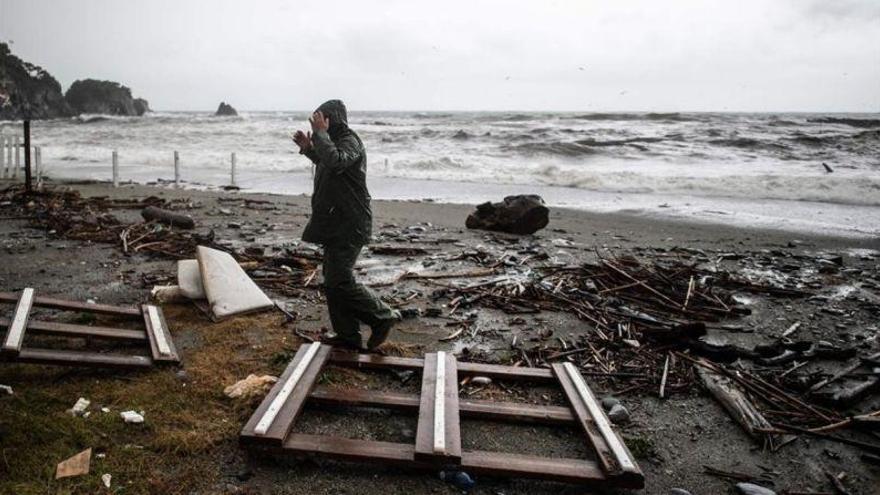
(8, 154)
(233, 168)
(38, 165)
(17, 145)
(176, 168)
(3, 157)
(115, 169)
(28, 186)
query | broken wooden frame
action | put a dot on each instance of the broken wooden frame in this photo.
(155, 333)
(438, 439)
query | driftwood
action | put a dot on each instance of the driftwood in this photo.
(736, 404)
(151, 213)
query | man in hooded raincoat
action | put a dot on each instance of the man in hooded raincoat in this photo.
(341, 222)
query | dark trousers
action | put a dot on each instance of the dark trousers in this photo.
(349, 302)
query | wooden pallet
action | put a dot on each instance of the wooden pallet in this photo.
(439, 408)
(155, 333)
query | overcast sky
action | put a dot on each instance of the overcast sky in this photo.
(743, 55)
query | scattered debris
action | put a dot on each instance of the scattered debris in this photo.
(80, 407)
(251, 386)
(77, 465)
(154, 213)
(6, 388)
(132, 417)
(106, 478)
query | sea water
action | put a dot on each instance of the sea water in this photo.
(746, 169)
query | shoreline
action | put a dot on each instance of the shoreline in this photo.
(645, 222)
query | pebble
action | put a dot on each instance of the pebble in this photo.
(753, 489)
(132, 417)
(618, 415)
(679, 491)
(609, 402)
(481, 380)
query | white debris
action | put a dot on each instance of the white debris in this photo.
(132, 417)
(105, 409)
(252, 385)
(6, 388)
(79, 409)
(481, 380)
(106, 477)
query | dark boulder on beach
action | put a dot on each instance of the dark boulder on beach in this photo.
(225, 110)
(103, 97)
(522, 214)
(27, 91)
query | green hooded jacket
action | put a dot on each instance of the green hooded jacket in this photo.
(340, 201)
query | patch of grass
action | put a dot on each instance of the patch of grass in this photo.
(641, 447)
(189, 424)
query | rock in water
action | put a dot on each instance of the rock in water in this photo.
(225, 110)
(141, 106)
(102, 97)
(28, 91)
(753, 489)
(522, 214)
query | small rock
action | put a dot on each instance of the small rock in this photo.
(250, 386)
(481, 380)
(609, 402)
(80, 407)
(105, 478)
(679, 491)
(753, 489)
(618, 415)
(132, 417)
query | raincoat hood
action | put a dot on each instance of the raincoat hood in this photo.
(335, 109)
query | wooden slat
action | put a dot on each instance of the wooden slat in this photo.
(18, 325)
(51, 302)
(292, 407)
(161, 345)
(476, 462)
(468, 408)
(427, 447)
(372, 361)
(614, 458)
(77, 358)
(71, 330)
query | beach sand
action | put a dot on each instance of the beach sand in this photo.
(189, 442)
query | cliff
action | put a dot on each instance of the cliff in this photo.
(104, 97)
(28, 91)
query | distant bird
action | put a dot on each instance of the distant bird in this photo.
(828, 169)
(580, 68)
(623, 92)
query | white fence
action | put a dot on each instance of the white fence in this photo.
(12, 161)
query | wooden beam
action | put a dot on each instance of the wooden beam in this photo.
(51, 302)
(77, 358)
(495, 371)
(438, 434)
(614, 458)
(71, 330)
(468, 408)
(287, 397)
(161, 345)
(15, 330)
(578, 471)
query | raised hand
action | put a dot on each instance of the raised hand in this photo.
(319, 121)
(303, 140)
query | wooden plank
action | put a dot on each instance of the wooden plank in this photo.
(161, 345)
(614, 458)
(468, 408)
(51, 302)
(70, 330)
(476, 462)
(15, 330)
(495, 371)
(438, 412)
(77, 358)
(291, 408)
